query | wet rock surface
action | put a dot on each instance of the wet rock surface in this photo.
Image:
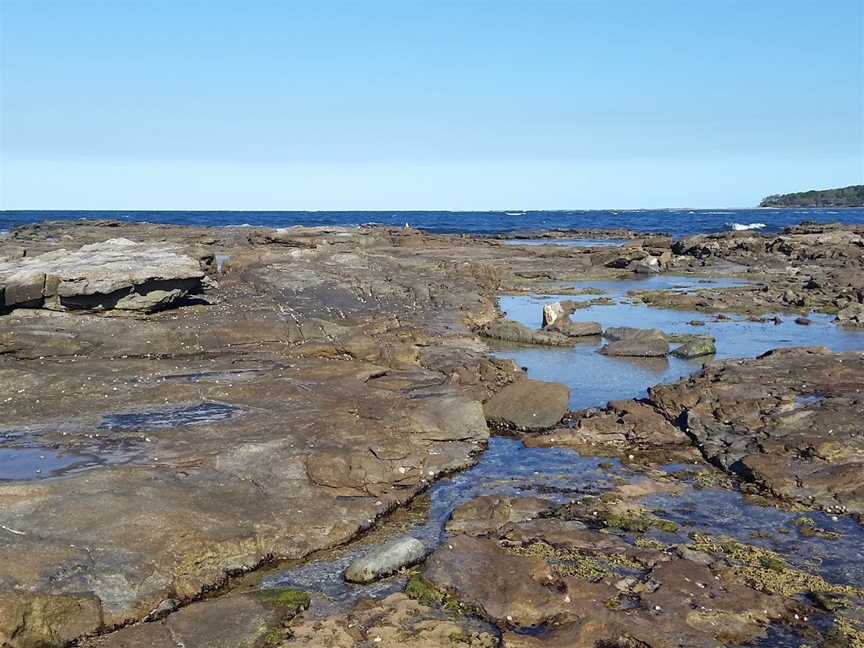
(228, 622)
(285, 417)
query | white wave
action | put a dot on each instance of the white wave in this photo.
(741, 227)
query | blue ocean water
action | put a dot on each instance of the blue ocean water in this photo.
(679, 222)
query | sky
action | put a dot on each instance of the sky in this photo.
(334, 105)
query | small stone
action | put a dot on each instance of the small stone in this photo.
(385, 560)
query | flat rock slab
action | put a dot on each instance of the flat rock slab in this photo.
(568, 327)
(385, 560)
(528, 405)
(510, 331)
(228, 622)
(636, 343)
(114, 274)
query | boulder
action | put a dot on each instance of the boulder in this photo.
(634, 342)
(528, 405)
(700, 345)
(114, 274)
(385, 560)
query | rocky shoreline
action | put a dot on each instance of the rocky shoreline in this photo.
(184, 405)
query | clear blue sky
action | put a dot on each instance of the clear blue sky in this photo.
(178, 104)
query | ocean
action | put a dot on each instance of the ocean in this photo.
(678, 222)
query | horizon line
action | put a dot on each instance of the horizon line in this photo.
(409, 211)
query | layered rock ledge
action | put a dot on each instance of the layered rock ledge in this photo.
(117, 274)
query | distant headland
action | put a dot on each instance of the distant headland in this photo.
(852, 196)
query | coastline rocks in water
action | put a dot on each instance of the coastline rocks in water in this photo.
(117, 274)
(788, 421)
(510, 331)
(320, 351)
(700, 345)
(528, 405)
(618, 430)
(634, 342)
(385, 560)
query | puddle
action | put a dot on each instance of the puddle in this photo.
(577, 243)
(506, 468)
(25, 464)
(30, 463)
(24, 457)
(807, 401)
(595, 379)
(202, 414)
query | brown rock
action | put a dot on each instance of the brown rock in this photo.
(528, 405)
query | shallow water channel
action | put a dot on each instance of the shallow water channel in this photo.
(509, 468)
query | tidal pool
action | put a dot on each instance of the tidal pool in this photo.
(25, 464)
(595, 379)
